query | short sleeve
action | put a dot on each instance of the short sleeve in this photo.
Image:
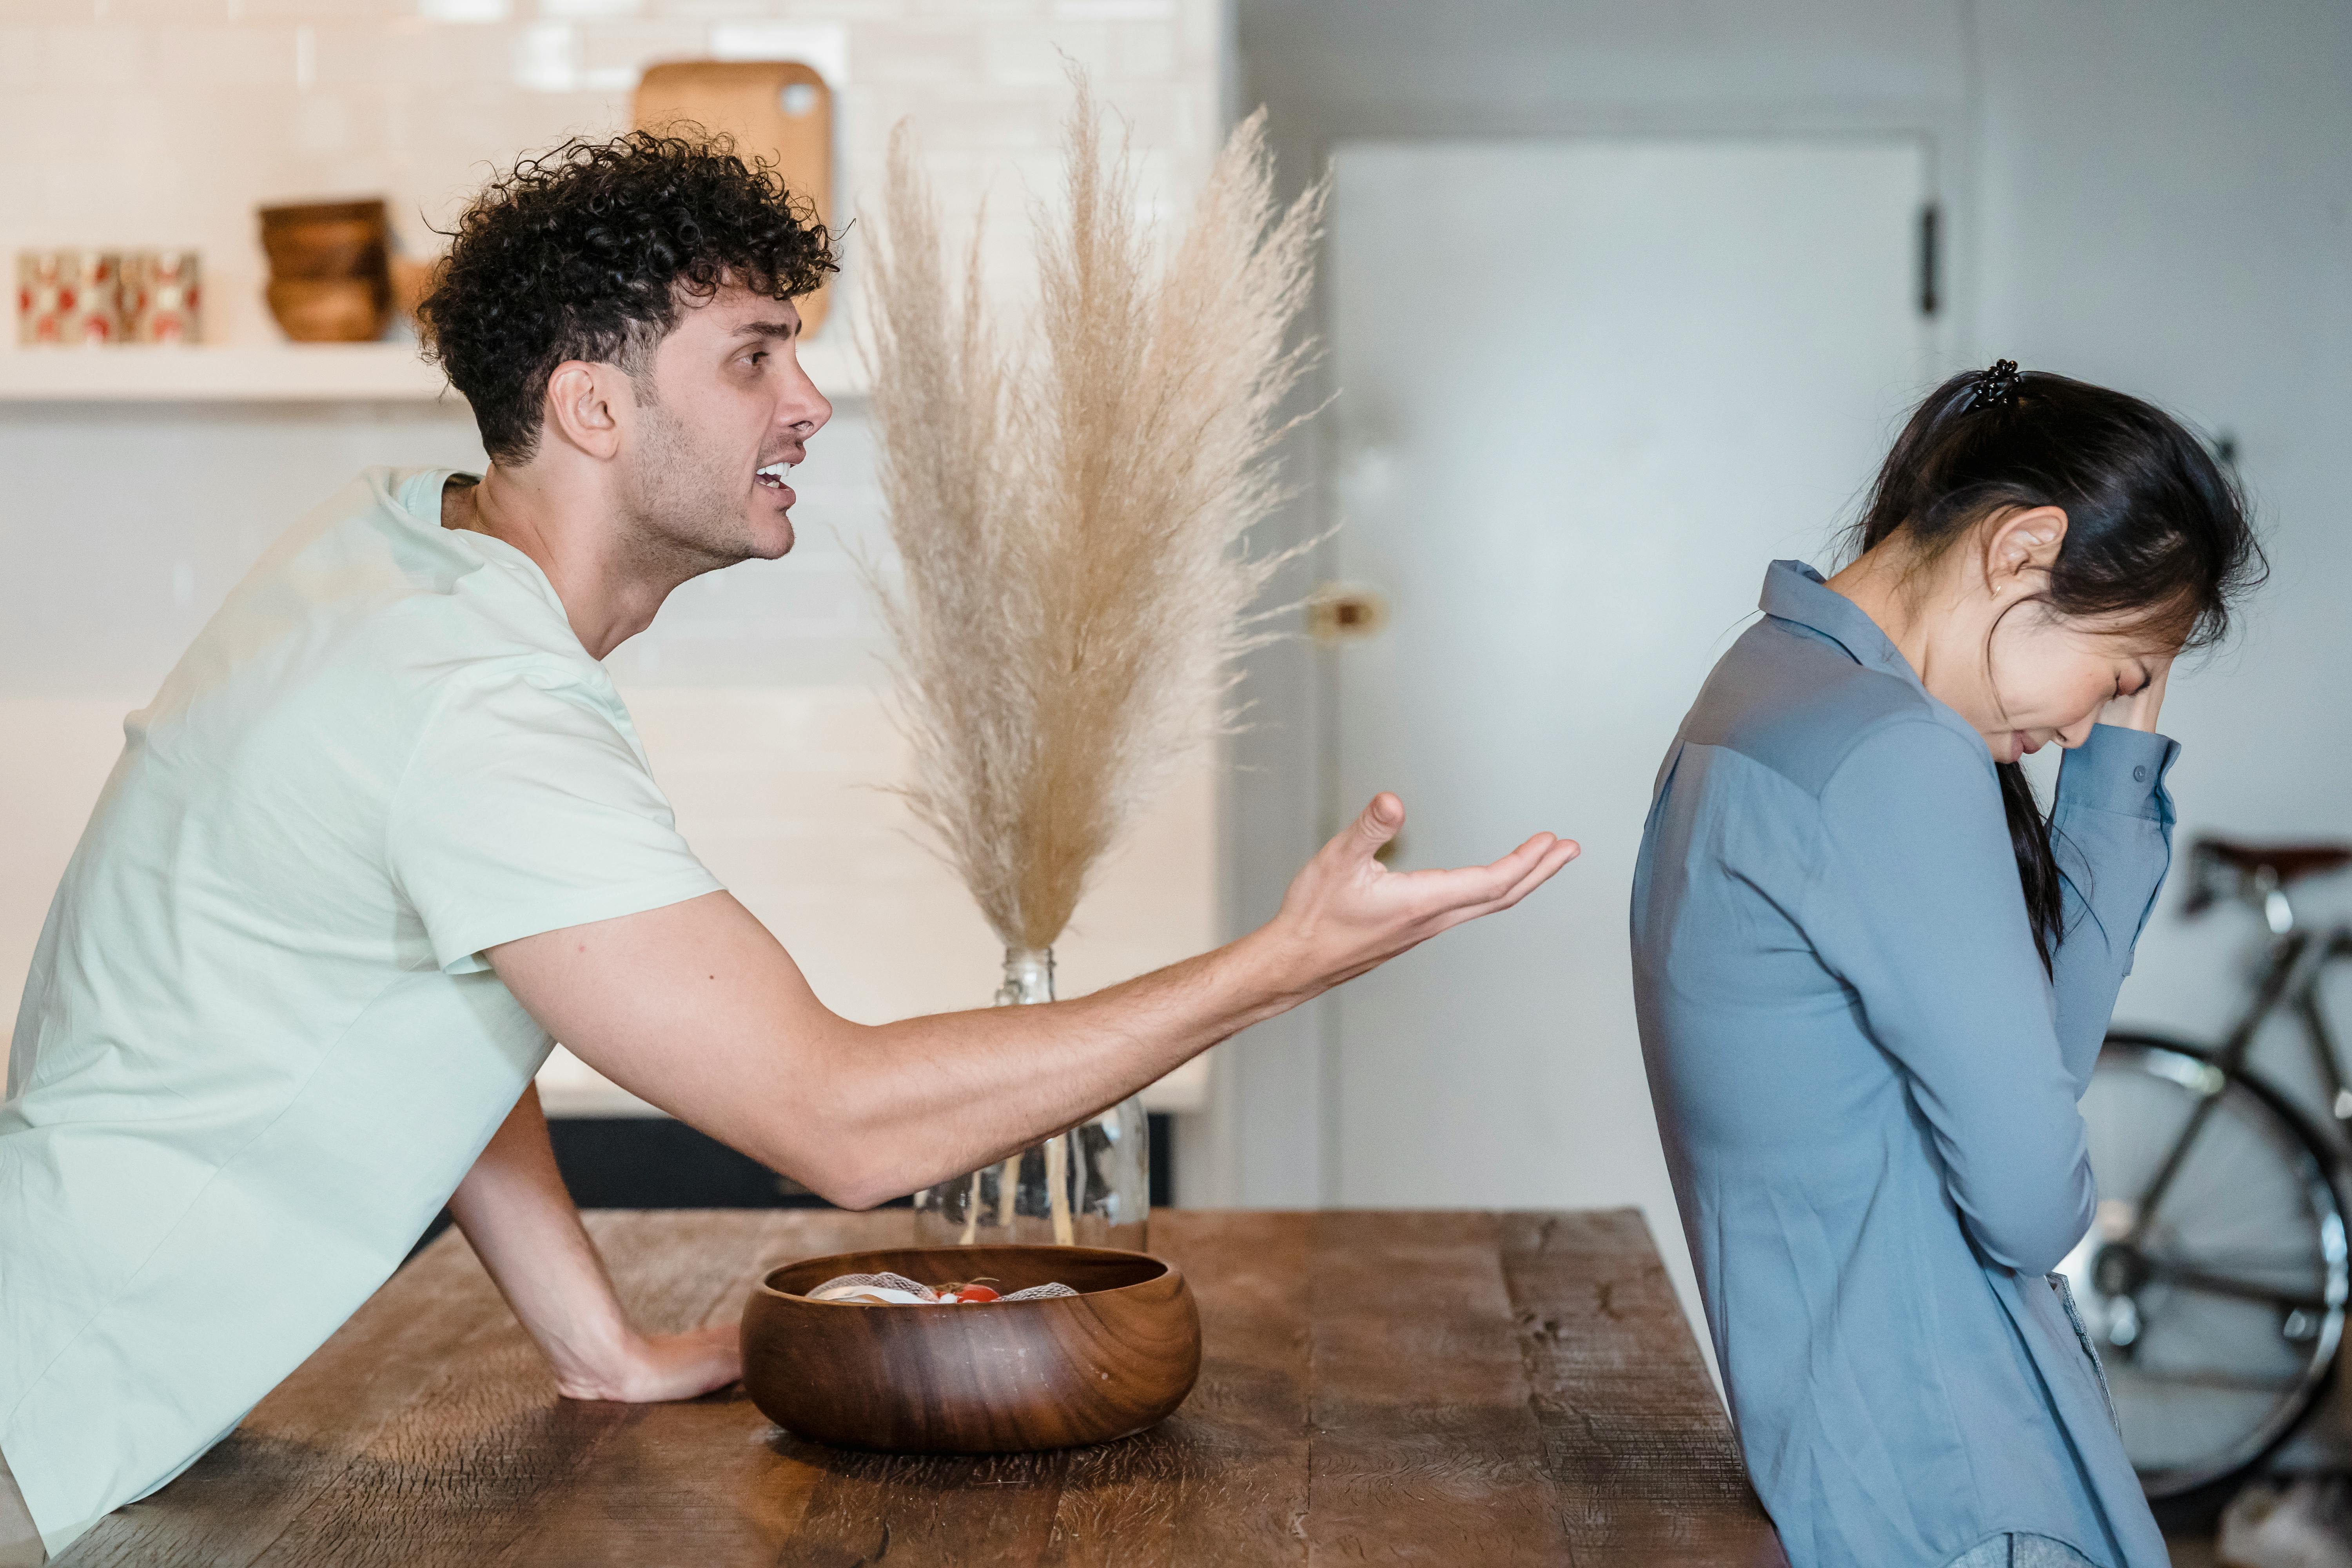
(525, 809)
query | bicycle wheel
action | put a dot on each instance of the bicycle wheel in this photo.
(2217, 1309)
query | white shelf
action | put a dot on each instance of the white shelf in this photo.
(289, 372)
(279, 372)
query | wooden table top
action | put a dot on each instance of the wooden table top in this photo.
(1416, 1387)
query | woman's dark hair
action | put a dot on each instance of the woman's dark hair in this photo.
(588, 252)
(2157, 537)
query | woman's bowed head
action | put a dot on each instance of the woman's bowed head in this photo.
(2042, 550)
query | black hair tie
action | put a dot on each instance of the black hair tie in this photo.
(1996, 388)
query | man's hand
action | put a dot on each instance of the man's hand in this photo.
(1347, 914)
(647, 1368)
(521, 1223)
(694, 1007)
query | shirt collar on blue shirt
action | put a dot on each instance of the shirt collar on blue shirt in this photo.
(1795, 592)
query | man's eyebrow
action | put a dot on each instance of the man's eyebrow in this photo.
(767, 329)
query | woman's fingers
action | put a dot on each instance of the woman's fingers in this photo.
(2141, 710)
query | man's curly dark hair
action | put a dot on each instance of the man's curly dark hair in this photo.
(588, 252)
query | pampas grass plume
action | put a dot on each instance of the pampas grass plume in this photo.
(1070, 509)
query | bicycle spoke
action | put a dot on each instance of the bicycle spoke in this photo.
(2210, 1381)
(2221, 1233)
(2187, 1277)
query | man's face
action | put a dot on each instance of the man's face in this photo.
(722, 411)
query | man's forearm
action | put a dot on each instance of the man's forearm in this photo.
(960, 1091)
(521, 1224)
(696, 1008)
(513, 1208)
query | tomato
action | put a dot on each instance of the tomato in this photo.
(978, 1293)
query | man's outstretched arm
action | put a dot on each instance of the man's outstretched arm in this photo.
(697, 1009)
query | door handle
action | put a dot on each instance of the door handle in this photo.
(1344, 612)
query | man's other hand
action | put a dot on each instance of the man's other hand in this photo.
(653, 1367)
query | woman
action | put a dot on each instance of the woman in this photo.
(1873, 978)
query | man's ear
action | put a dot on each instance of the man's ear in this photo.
(580, 399)
(2022, 546)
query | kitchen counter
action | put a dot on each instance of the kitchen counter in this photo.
(1416, 1387)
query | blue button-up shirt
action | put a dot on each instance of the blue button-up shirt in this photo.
(1866, 1086)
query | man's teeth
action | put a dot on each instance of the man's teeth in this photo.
(773, 474)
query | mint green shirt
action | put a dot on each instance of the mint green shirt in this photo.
(259, 1045)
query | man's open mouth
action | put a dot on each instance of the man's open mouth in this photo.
(772, 476)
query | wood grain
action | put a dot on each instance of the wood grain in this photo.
(451, 1479)
(698, 1482)
(1426, 1446)
(1647, 1469)
(1224, 1479)
(1447, 1388)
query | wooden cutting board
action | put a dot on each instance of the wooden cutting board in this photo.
(779, 110)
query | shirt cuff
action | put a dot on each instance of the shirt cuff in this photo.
(2121, 771)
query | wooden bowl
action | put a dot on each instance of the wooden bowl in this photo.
(326, 239)
(330, 310)
(997, 1378)
(412, 281)
(340, 249)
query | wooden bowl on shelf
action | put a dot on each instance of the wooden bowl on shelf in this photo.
(995, 1378)
(330, 275)
(326, 239)
(330, 310)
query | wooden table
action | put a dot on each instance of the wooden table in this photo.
(1425, 1388)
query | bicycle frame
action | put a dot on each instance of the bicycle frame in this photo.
(2290, 979)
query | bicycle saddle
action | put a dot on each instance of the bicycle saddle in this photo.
(2284, 862)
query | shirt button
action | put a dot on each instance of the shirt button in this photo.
(2139, 774)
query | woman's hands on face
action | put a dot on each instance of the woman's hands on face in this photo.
(2138, 711)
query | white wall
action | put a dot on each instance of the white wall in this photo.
(759, 689)
(2168, 208)
(2152, 195)
(167, 122)
(1333, 70)
(756, 691)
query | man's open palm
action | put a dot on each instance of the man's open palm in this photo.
(1351, 913)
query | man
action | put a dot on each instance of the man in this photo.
(386, 831)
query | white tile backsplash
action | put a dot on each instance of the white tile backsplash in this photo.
(168, 121)
(760, 688)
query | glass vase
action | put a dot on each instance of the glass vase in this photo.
(1090, 1186)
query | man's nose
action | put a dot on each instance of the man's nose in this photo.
(2075, 734)
(804, 410)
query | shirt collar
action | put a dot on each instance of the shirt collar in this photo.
(1795, 592)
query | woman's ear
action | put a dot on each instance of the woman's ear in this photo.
(2022, 546)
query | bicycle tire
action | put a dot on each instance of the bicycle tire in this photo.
(2281, 1171)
